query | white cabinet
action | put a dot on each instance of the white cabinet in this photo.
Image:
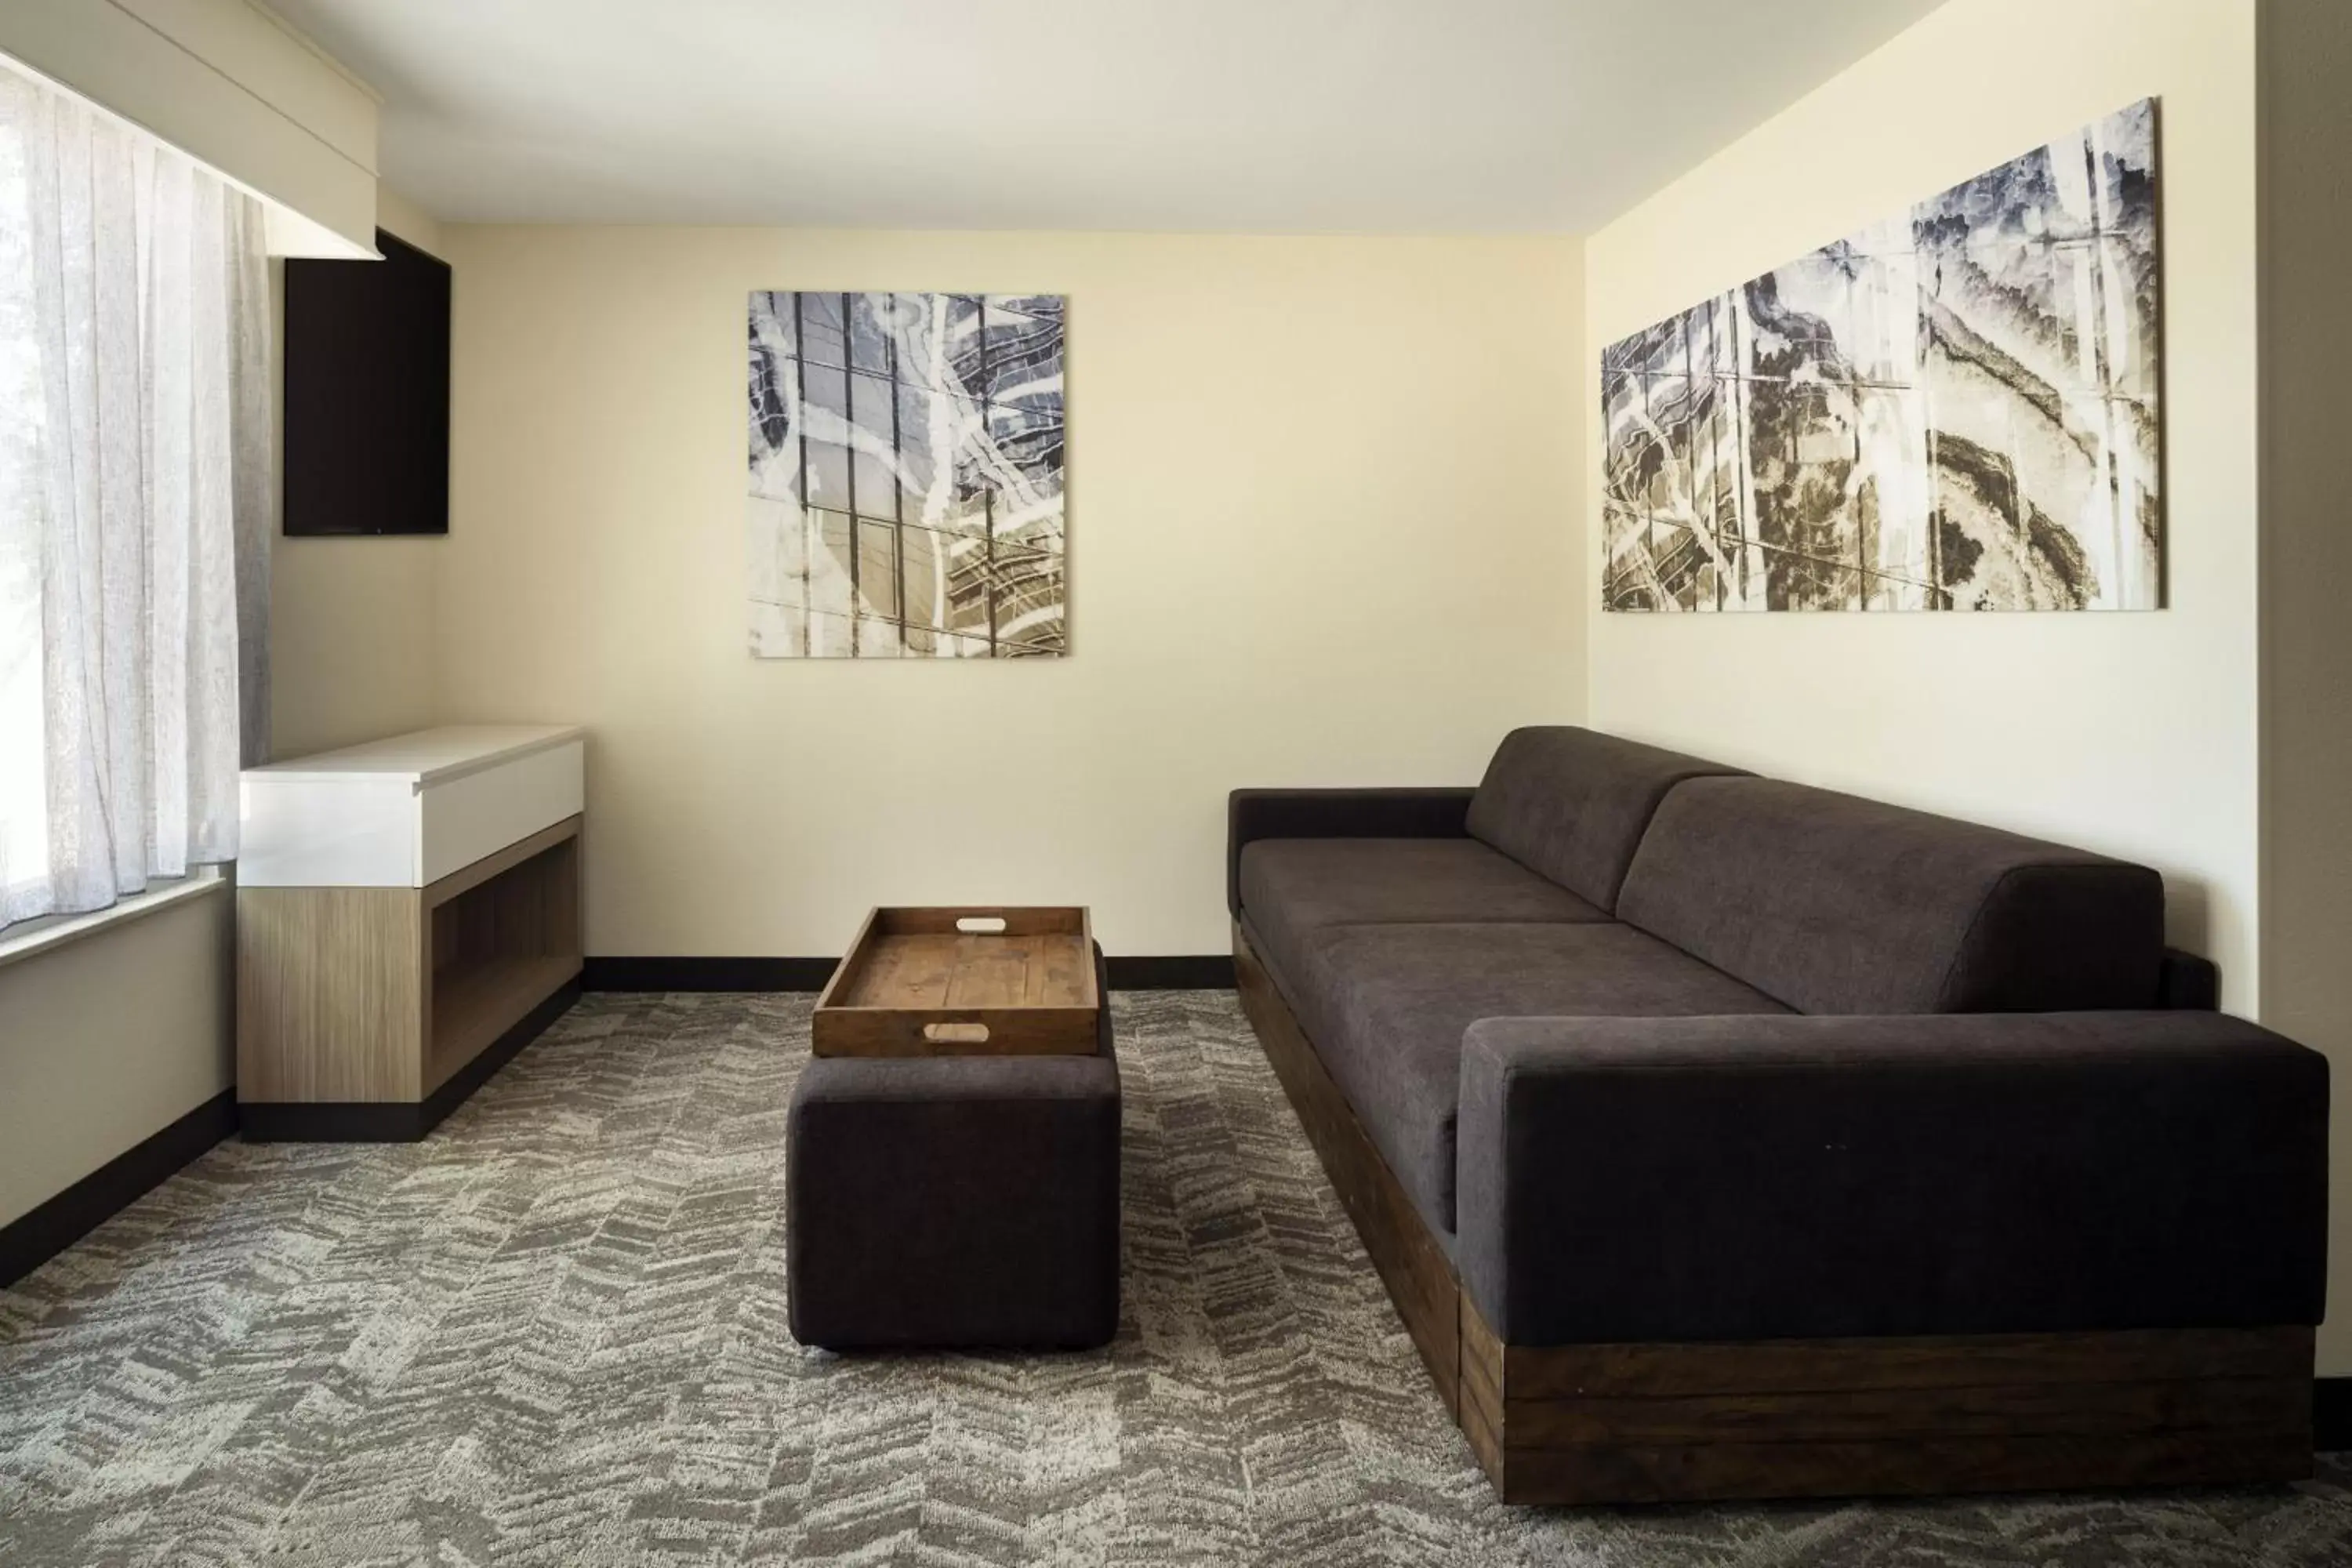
(408, 916)
(408, 811)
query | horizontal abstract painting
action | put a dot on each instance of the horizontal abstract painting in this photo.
(906, 489)
(1955, 410)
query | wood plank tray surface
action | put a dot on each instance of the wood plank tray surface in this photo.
(963, 981)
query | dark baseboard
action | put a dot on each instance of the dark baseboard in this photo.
(2331, 1415)
(1202, 971)
(707, 974)
(368, 1123)
(330, 1122)
(1211, 972)
(33, 1239)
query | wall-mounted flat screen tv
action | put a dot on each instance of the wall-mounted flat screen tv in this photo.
(367, 393)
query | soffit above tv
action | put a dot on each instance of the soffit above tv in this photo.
(367, 394)
(231, 85)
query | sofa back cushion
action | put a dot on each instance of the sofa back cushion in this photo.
(1829, 903)
(1571, 804)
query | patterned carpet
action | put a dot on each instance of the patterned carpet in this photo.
(554, 1333)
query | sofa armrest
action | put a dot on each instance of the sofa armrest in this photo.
(1749, 1178)
(2189, 981)
(1251, 813)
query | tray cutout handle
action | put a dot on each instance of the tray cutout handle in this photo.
(956, 1034)
(981, 925)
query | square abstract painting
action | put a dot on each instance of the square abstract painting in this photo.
(1954, 410)
(906, 485)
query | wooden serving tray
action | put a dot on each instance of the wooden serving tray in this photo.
(963, 981)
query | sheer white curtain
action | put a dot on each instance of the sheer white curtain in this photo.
(135, 494)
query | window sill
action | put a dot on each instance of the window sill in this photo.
(58, 931)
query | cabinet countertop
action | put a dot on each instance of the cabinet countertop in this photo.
(421, 757)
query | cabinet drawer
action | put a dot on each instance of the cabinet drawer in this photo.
(478, 814)
(347, 833)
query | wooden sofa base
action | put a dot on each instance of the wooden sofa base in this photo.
(1657, 1423)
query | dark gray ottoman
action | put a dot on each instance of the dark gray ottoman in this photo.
(942, 1202)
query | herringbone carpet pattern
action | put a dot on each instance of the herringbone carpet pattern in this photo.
(554, 1333)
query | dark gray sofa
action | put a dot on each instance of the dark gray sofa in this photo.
(1652, 1052)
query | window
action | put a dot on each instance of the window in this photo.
(135, 480)
(24, 816)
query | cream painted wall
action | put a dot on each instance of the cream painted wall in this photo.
(109, 1038)
(2306, 718)
(1316, 493)
(397, 215)
(351, 620)
(2131, 733)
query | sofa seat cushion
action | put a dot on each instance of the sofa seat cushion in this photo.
(1293, 886)
(1386, 1005)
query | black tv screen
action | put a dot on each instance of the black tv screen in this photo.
(367, 393)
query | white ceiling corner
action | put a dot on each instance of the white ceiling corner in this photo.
(1265, 116)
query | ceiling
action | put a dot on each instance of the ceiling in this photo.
(1366, 116)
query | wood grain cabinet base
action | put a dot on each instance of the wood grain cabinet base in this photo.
(369, 1011)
